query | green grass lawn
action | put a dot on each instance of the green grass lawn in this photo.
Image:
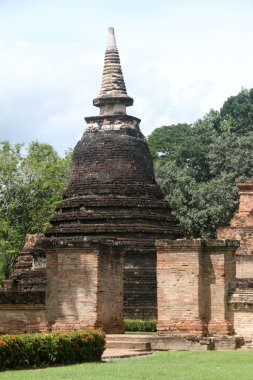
(210, 365)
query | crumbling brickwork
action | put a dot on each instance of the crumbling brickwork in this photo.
(241, 225)
(22, 297)
(241, 229)
(240, 302)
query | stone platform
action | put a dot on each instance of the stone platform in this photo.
(146, 343)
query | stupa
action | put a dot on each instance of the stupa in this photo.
(100, 247)
(112, 192)
(114, 249)
(113, 195)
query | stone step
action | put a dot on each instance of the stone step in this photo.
(130, 337)
(110, 354)
(245, 347)
(128, 345)
(248, 344)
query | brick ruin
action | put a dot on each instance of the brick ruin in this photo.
(194, 279)
(113, 203)
(114, 249)
(110, 216)
(22, 299)
(241, 229)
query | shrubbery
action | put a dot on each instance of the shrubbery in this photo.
(42, 349)
(139, 325)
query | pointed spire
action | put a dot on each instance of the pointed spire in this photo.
(111, 40)
(113, 96)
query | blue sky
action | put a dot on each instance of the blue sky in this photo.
(180, 58)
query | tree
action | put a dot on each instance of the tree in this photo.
(239, 111)
(31, 184)
(199, 206)
(170, 141)
(197, 166)
(45, 175)
(233, 154)
(10, 232)
(186, 145)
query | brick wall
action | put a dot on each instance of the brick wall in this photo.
(178, 282)
(84, 288)
(71, 287)
(244, 266)
(242, 233)
(110, 290)
(241, 225)
(246, 197)
(194, 278)
(17, 318)
(140, 295)
(243, 323)
(241, 303)
(219, 276)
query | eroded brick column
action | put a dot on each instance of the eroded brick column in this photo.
(84, 287)
(219, 274)
(179, 283)
(194, 279)
(110, 289)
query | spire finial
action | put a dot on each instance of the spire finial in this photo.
(111, 40)
(113, 98)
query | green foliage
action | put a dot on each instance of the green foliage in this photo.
(31, 184)
(170, 141)
(197, 166)
(238, 110)
(232, 154)
(36, 350)
(139, 325)
(199, 206)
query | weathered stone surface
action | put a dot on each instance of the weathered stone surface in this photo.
(113, 98)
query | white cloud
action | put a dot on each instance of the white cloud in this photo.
(44, 92)
(179, 58)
